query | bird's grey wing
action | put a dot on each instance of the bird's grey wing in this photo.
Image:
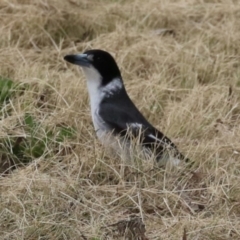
(128, 124)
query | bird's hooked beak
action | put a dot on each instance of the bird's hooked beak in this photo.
(82, 59)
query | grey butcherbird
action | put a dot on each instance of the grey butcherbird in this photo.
(114, 113)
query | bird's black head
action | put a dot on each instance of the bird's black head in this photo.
(99, 60)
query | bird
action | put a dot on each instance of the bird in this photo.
(115, 117)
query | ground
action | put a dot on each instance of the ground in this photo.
(180, 64)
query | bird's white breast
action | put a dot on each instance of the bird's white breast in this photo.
(96, 94)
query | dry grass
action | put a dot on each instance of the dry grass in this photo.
(186, 82)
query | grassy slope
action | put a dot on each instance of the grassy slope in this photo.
(185, 79)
